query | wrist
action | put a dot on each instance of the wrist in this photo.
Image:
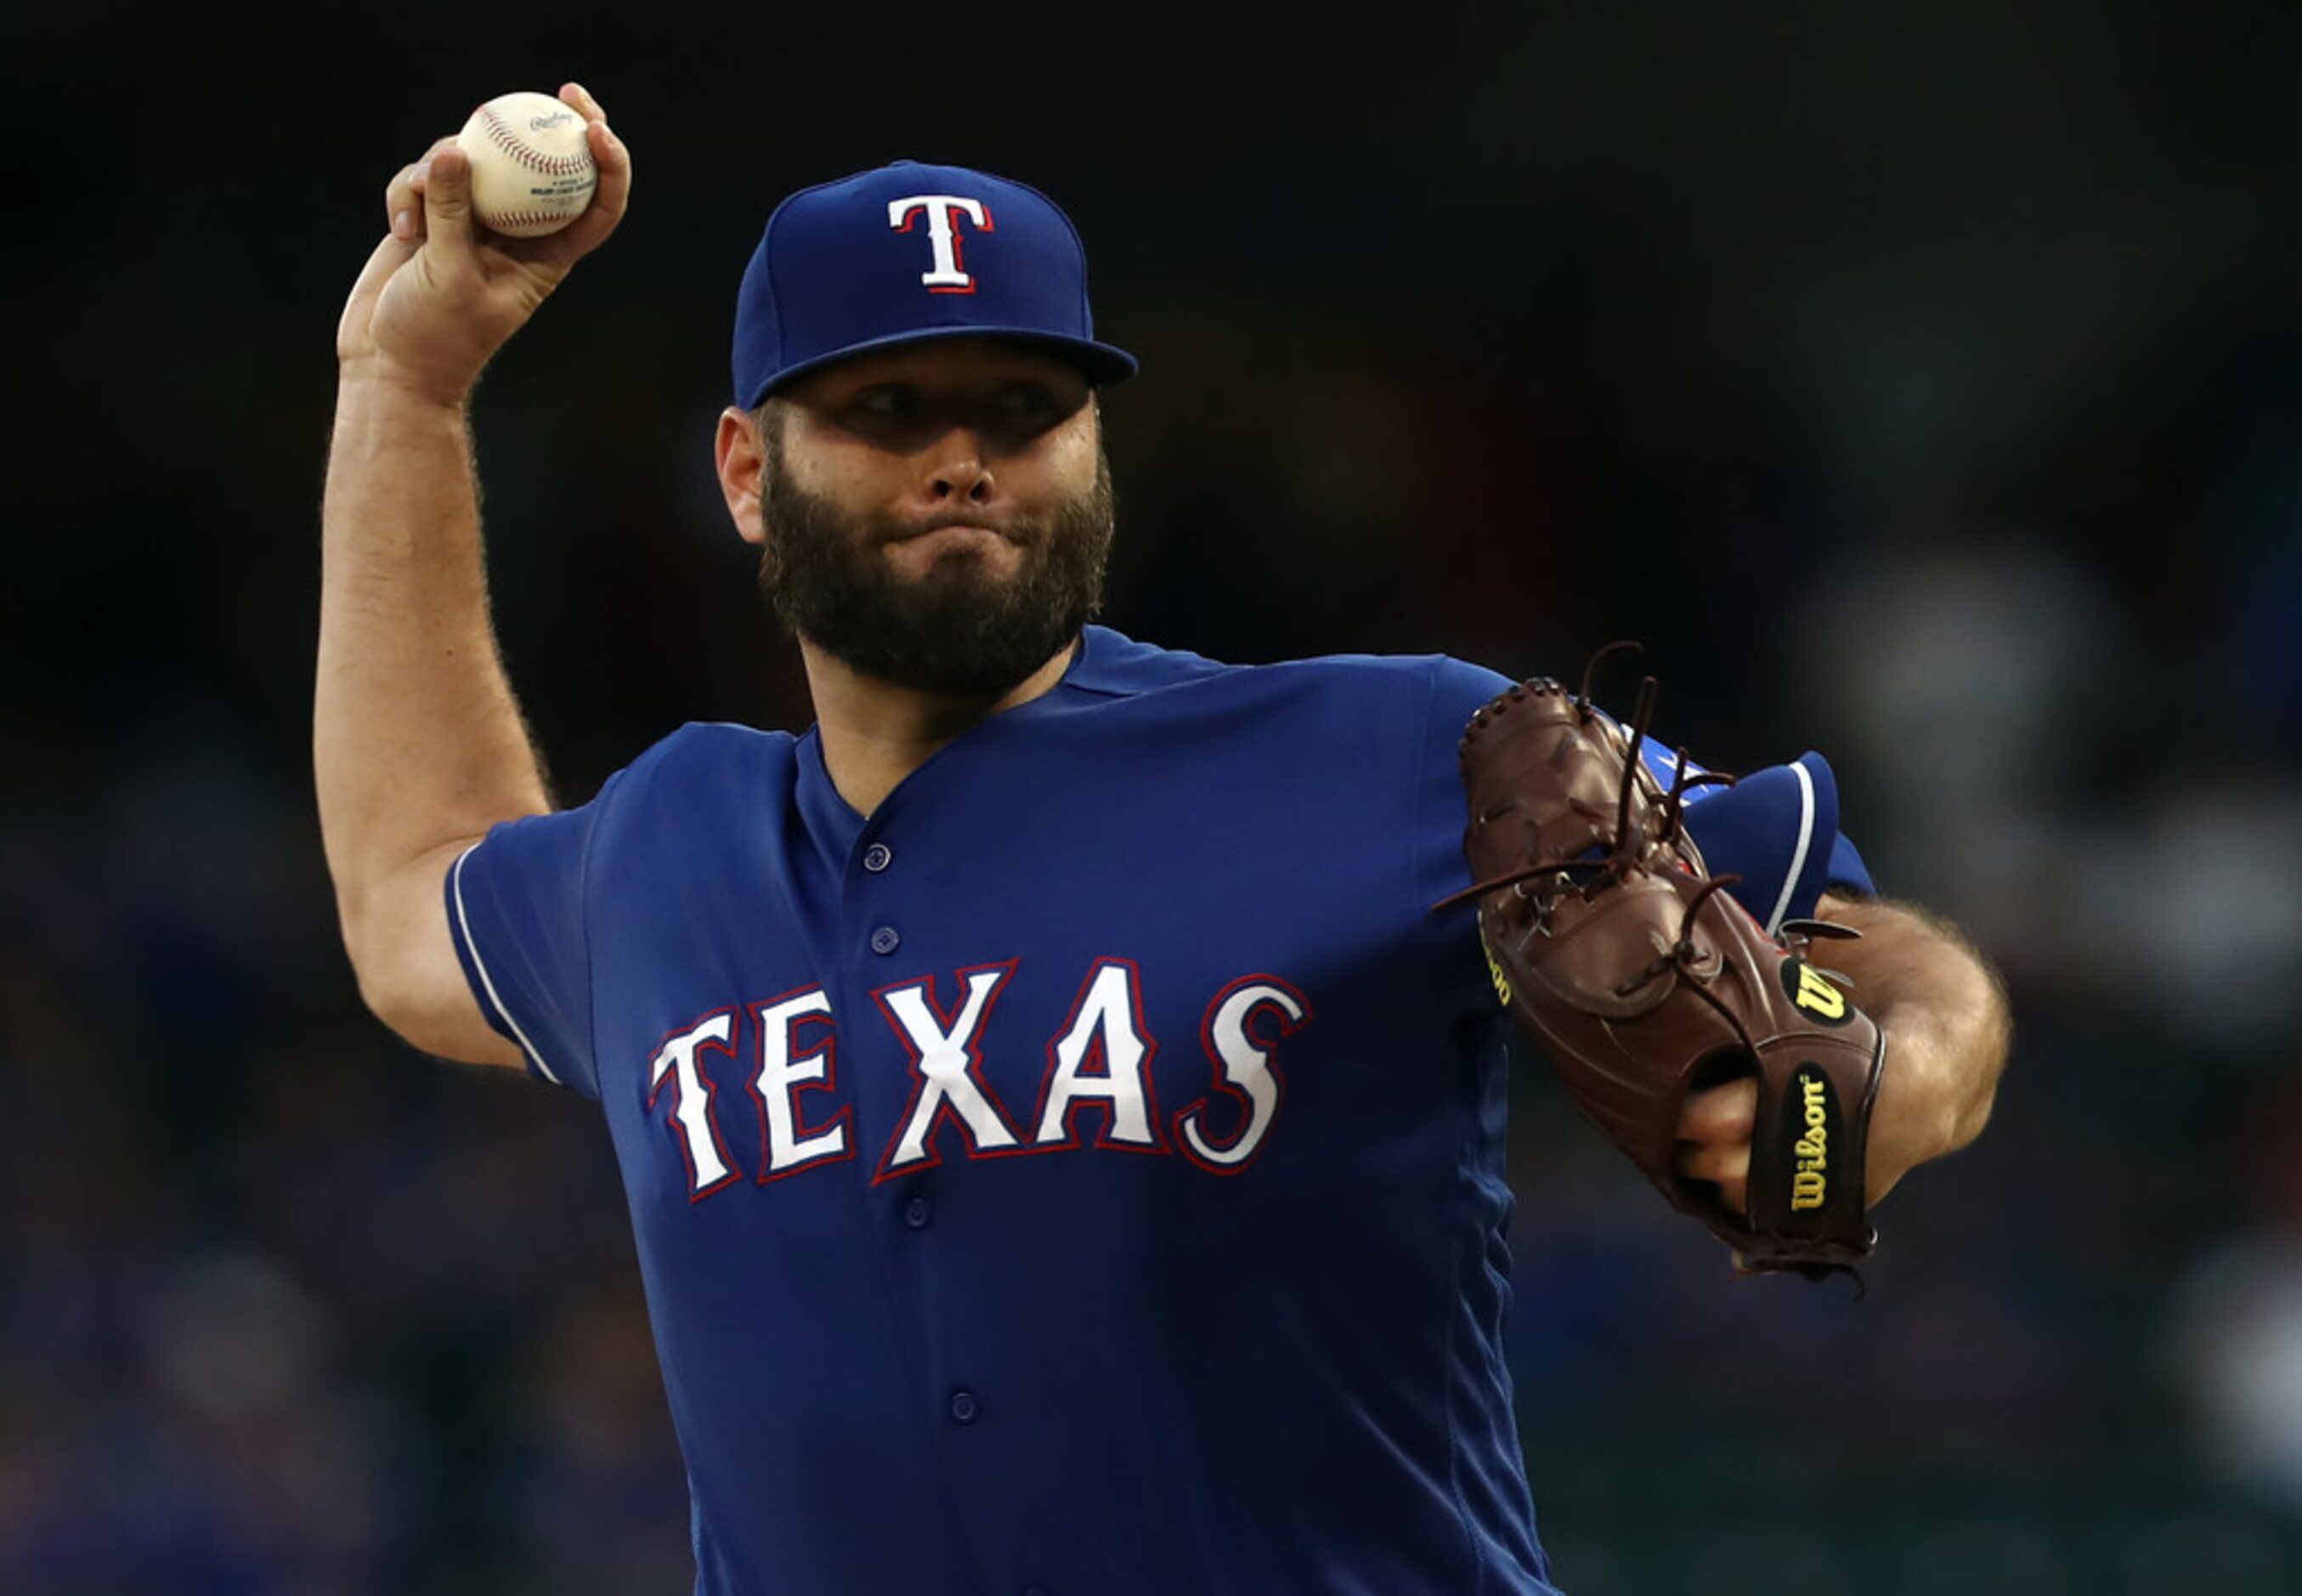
(376, 379)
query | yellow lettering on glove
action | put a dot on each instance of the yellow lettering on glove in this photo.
(1495, 970)
(1809, 1185)
(1818, 995)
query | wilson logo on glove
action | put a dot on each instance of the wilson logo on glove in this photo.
(1812, 1113)
(1808, 987)
(1495, 973)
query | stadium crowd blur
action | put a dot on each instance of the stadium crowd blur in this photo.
(1926, 391)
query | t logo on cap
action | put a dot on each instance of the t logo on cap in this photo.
(825, 282)
(944, 211)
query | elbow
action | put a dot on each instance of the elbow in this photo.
(391, 988)
(363, 950)
(403, 957)
(417, 1016)
(386, 994)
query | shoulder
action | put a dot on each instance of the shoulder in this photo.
(1423, 691)
(1442, 683)
(1114, 665)
(696, 759)
(1460, 686)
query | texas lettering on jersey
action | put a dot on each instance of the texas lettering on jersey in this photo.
(1098, 1063)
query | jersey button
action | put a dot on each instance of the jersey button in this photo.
(885, 940)
(916, 1213)
(963, 1407)
(877, 857)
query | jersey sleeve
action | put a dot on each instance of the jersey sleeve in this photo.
(1775, 829)
(517, 912)
(1847, 873)
(1779, 830)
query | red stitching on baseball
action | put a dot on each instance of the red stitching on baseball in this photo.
(507, 140)
(502, 220)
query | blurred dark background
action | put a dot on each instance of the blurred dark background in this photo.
(1923, 385)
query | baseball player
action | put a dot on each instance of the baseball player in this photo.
(1064, 1147)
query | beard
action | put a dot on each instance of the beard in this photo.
(958, 630)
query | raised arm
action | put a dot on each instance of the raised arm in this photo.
(418, 745)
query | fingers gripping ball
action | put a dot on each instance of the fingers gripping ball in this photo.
(1642, 981)
(531, 167)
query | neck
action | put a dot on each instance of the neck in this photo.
(875, 733)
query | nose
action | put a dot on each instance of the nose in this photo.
(957, 473)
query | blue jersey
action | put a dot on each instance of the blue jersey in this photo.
(1084, 1175)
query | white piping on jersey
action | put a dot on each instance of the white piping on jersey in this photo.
(1798, 855)
(463, 922)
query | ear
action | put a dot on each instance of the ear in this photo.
(743, 464)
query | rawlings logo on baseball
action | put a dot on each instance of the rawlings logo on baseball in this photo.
(531, 167)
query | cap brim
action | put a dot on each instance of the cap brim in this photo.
(1101, 363)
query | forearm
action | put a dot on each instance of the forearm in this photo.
(416, 738)
(1947, 1025)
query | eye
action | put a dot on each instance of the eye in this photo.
(1023, 399)
(888, 398)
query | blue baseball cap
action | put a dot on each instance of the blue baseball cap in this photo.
(906, 252)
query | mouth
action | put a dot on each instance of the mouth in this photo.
(965, 540)
(953, 529)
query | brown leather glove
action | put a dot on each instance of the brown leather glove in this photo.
(1642, 981)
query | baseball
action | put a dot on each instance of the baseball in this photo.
(531, 167)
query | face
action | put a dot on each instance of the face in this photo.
(936, 517)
